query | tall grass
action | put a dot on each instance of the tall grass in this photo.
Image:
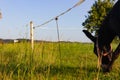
(75, 62)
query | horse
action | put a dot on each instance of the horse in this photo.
(109, 29)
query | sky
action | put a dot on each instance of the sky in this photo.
(17, 14)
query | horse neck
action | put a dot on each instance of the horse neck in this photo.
(105, 36)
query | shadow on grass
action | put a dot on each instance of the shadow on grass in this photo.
(50, 71)
(66, 70)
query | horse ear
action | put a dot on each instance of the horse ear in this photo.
(90, 36)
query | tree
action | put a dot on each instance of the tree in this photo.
(97, 14)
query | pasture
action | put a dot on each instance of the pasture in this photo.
(74, 61)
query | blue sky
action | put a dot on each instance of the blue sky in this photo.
(16, 15)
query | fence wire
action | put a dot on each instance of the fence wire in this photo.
(77, 4)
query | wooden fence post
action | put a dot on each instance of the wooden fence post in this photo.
(31, 35)
(0, 15)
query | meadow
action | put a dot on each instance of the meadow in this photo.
(52, 61)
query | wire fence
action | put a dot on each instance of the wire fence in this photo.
(54, 18)
(32, 27)
(61, 14)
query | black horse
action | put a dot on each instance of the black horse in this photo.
(110, 28)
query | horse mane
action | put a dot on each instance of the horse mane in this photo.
(110, 25)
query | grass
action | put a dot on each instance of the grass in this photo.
(74, 61)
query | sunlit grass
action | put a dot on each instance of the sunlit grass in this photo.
(74, 61)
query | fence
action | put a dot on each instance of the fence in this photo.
(56, 18)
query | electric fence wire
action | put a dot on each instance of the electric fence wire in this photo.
(77, 4)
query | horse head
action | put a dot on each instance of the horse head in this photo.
(102, 51)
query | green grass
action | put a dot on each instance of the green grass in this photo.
(74, 61)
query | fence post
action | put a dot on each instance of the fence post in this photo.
(0, 15)
(31, 35)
